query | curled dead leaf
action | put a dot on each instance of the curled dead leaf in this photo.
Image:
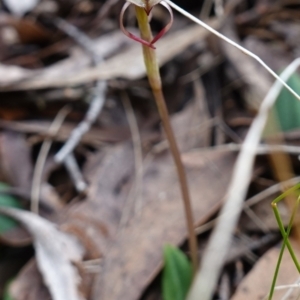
(56, 253)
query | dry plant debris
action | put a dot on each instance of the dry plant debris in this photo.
(108, 236)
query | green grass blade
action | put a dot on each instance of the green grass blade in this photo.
(285, 235)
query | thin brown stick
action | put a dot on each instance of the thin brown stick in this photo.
(98, 100)
(41, 160)
(163, 111)
(138, 152)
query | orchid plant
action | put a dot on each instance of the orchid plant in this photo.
(143, 10)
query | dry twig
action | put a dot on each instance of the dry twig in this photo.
(137, 148)
(75, 174)
(41, 160)
(65, 154)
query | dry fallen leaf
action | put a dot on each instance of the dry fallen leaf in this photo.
(19, 8)
(77, 61)
(55, 253)
(95, 137)
(73, 71)
(135, 257)
(257, 80)
(23, 289)
(15, 152)
(256, 285)
(93, 221)
(265, 213)
(187, 123)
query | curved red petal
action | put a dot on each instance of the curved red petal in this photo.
(129, 34)
(167, 27)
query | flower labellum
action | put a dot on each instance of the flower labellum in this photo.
(147, 5)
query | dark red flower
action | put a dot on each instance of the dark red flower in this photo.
(147, 5)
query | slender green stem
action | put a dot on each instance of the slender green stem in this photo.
(155, 83)
(285, 235)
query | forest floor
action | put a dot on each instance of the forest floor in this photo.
(85, 160)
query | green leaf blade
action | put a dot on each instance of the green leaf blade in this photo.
(287, 107)
(7, 223)
(177, 274)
